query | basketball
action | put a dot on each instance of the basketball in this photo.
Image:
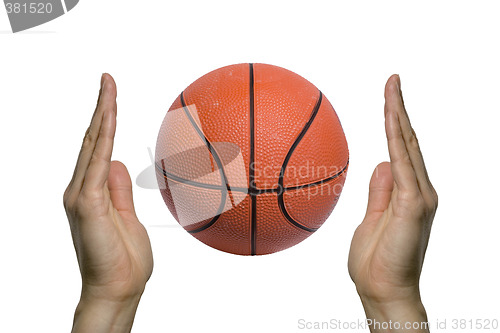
(251, 159)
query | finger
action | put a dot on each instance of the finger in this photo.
(89, 142)
(380, 191)
(120, 188)
(401, 167)
(98, 167)
(409, 136)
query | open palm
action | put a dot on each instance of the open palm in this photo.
(112, 246)
(388, 248)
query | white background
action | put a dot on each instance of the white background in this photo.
(446, 52)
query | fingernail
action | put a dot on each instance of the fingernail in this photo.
(396, 82)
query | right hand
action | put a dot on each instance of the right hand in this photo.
(388, 247)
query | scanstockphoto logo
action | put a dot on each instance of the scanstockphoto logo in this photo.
(24, 15)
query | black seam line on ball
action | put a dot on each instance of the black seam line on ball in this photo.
(251, 171)
(224, 190)
(254, 191)
(281, 202)
(170, 176)
(319, 182)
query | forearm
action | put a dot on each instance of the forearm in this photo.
(398, 316)
(97, 315)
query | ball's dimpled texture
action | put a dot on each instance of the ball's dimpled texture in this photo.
(243, 122)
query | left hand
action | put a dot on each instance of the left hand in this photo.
(112, 246)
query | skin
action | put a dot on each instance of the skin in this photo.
(112, 246)
(114, 251)
(388, 248)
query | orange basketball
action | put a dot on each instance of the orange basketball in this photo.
(251, 159)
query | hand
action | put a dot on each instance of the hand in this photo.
(112, 246)
(388, 248)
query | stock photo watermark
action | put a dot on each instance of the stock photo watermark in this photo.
(458, 324)
(25, 15)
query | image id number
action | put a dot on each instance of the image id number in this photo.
(29, 8)
(478, 324)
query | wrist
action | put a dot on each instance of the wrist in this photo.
(399, 315)
(94, 314)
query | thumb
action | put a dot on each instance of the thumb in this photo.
(120, 188)
(380, 191)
